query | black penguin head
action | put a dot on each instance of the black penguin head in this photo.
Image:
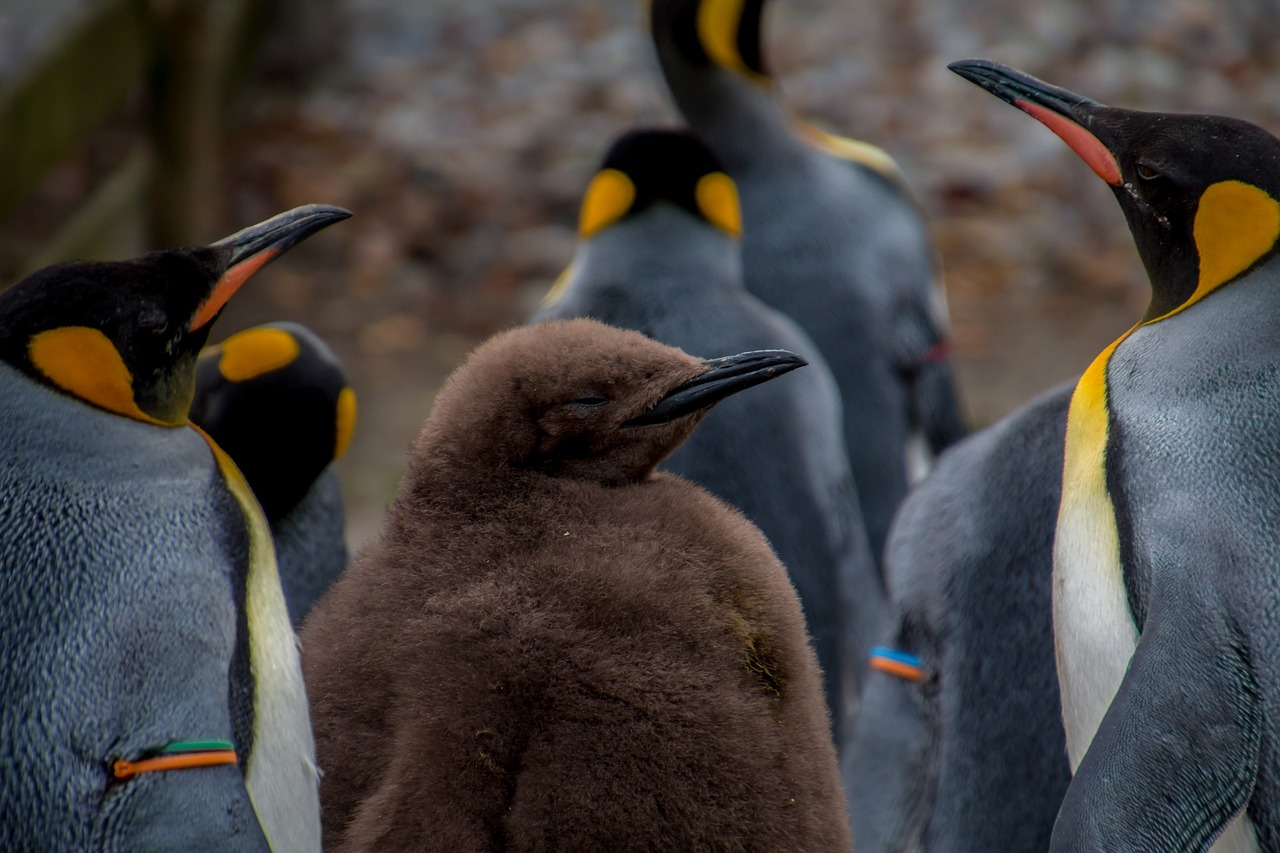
(645, 167)
(721, 33)
(581, 400)
(123, 335)
(275, 398)
(1200, 192)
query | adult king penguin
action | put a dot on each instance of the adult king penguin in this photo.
(553, 648)
(959, 741)
(276, 399)
(147, 647)
(660, 254)
(1165, 594)
(832, 238)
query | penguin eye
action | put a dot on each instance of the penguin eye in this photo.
(592, 402)
(1147, 173)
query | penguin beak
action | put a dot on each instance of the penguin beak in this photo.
(724, 376)
(250, 250)
(1072, 117)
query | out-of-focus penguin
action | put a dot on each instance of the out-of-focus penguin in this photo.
(153, 697)
(660, 254)
(276, 399)
(832, 238)
(959, 743)
(553, 648)
(1165, 582)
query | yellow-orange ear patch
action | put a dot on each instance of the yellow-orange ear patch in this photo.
(1236, 223)
(346, 425)
(718, 23)
(254, 352)
(717, 198)
(84, 363)
(608, 198)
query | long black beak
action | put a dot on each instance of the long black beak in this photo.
(1072, 117)
(249, 250)
(724, 376)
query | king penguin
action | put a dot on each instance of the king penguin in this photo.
(959, 743)
(551, 647)
(660, 254)
(276, 399)
(832, 238)
(1165, 595)
(153, 695)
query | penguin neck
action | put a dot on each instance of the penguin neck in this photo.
(659, 255)
(744, 122)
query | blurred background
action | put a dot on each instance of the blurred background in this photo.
(462, 133)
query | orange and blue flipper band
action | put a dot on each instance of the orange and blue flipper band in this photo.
(179, 755)
(894, 662)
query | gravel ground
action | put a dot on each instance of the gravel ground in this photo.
(462, 133)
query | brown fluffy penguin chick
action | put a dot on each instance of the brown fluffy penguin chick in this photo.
(552, 647)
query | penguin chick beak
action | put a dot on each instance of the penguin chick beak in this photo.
(250, 250)
(724, 376)
(1065, 113)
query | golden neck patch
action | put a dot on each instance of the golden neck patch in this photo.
(717, 198)
(84, 363)
(854, 150)
(560, 286)
(718, 23)
(608, 198)
(250, 354)
(346, 425)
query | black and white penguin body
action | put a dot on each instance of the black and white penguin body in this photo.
(1165, 554)
(959, 743)
(276, 399)
(153, 697)
(832, 237)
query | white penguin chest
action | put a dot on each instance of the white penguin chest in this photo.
(1094, 633)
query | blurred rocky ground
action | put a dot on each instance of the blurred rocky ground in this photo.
(462, 134)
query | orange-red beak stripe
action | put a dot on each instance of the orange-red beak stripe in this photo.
(227, 286)
(1084, 143)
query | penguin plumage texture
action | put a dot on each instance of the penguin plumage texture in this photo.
(660, 255)
(959, 743)
(831, 237)
(276, 399)
(552, 647)
(1166, 551)
(143, 627)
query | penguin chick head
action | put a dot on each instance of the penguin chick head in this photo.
(647, 167)
(123, 335)
(1201, 193)
(720, 33)
(580, 400)
(276, 399)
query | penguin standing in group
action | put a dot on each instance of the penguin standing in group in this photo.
(551, 647)
(147, 647)
(275, 398)
(959, 742)
(832, 238)
(660, 254)
(1165, 594)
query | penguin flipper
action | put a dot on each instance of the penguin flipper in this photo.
(888, 767)
(1177, 754)
(200, 809)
